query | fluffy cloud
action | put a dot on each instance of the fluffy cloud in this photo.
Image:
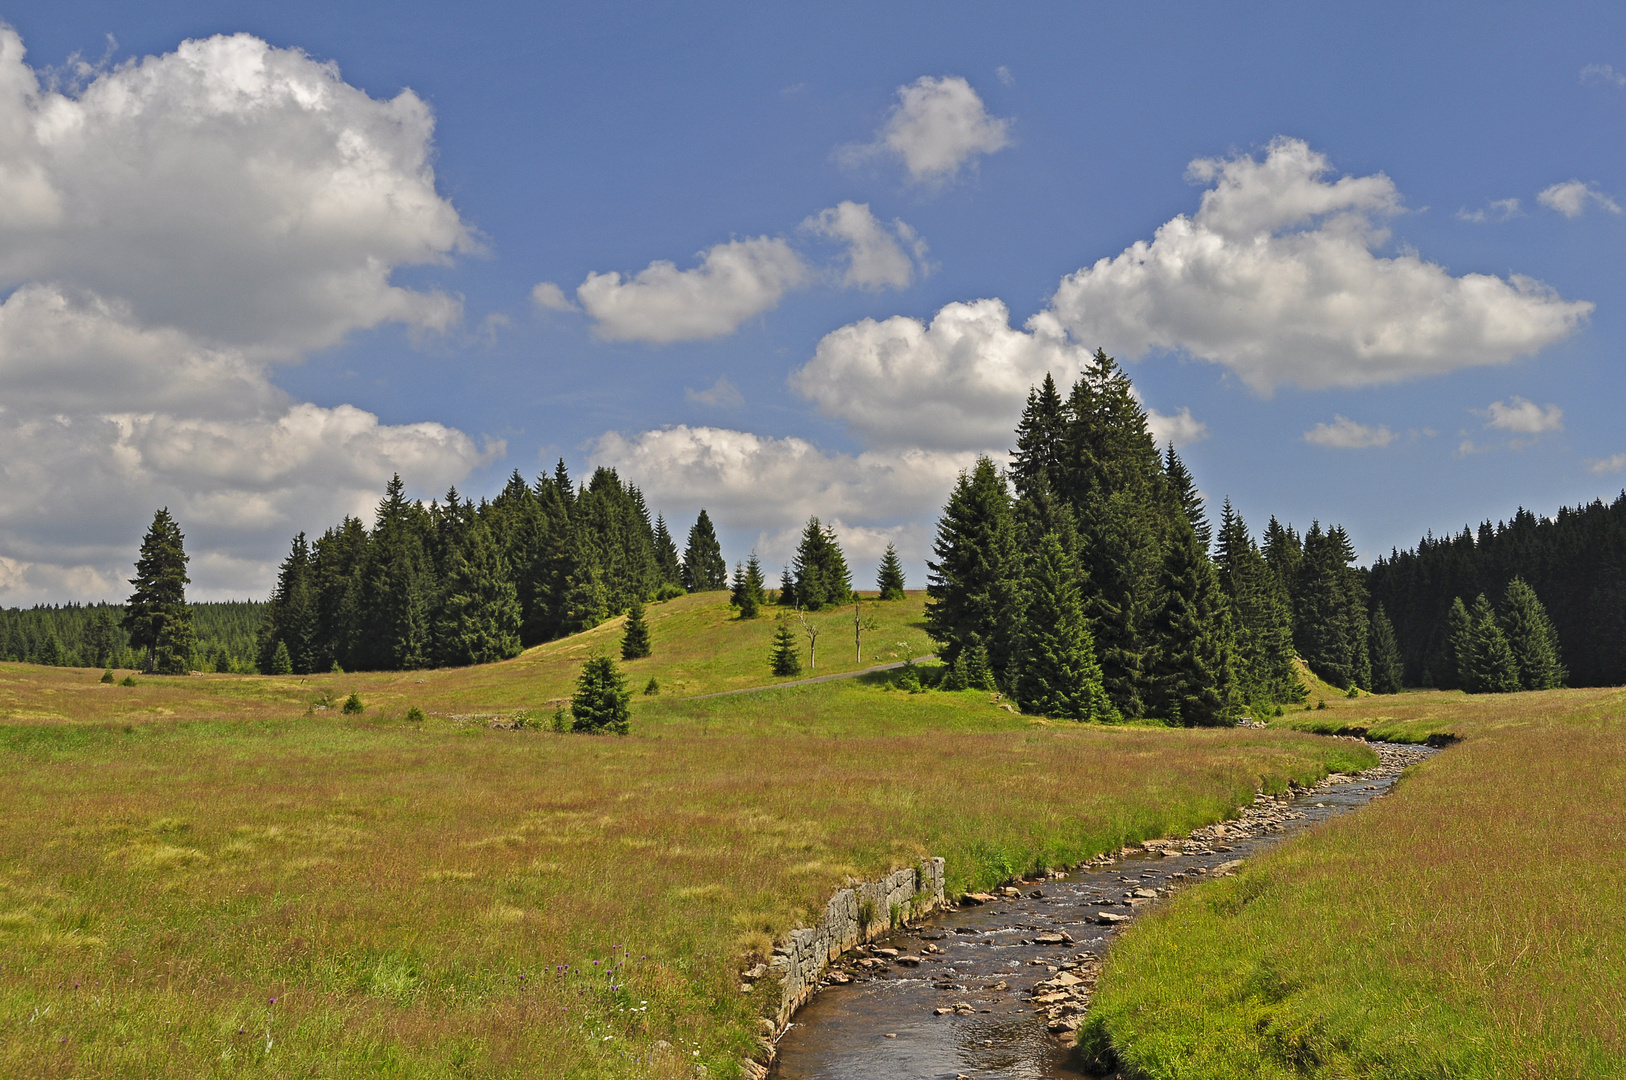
(1275, 277)
(662, 304)
(243, 193)
(166, 233)
(1495, 212)
(937, 127)
(1179, 428)
(876, 255)
(957, 383)
(1345, 434)
(1523, 417)
(778, 483)
(1572, 197)
(551, 297)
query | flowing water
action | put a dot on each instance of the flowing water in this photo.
(961, 998)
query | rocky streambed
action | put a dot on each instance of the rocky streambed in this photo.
(997, 986)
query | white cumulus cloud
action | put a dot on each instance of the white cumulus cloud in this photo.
(551, 297)
(1524, 417)
(243, 193)
(1345, 434)
(778, 483)
(878, 255)
(956, 383)
(660, 304)
(1275, 277)
(1179, 428)
(167, 232)
(1572, 197)
(938, 126)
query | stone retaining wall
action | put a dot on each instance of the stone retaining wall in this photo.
(853, 916)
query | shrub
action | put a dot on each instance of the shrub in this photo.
(128, 680)
(669, 591)
(601, 701)
(353, 705)
(107, 676)
(415, 715)
(652, 687)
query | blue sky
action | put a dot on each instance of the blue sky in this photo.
(254, 306)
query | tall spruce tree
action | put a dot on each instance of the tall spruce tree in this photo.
(1056, 673)
(1386, 669)
(291, 617)
(1040, 437)
(703, 567)
(1491, 667)
(1531, 636)
(749, 594)
(480, 622)
(156, 616)
(820, 569)
(1185, 493)
(1457, 654)
(601, 702)
(635, 644)
(667, 564)
(1193, 672)
(973, 585)
(1329, 609)
(889, 578)
(1261, 614)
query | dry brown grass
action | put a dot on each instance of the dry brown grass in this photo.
(1473, 924)
(430, 900)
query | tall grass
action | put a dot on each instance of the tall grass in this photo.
(208, 877)
(1472, 924)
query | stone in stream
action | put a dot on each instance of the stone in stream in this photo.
(1107, 918)
(978, 898)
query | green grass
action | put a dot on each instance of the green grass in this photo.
(428, 899)
(1472, 924)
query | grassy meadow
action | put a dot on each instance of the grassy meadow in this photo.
(213, 876)
(1471, 924)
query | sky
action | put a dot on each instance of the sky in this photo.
(1362, 262)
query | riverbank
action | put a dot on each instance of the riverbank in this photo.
(1469, 925)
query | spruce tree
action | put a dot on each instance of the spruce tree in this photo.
(1457, 656)
(785, 659)
(1329, 609)
(703, 567)
(1184, 489)
(1531, 636)
(820, 569)
(1193, 672)
(601, 702)
(750, 595)
(280, 663)
(1386, 673)
(889, 579)
(1040, 437)
(1262, 616)
(973, 585)
(156, 616)
(480, 621)
(635, 641)
(1056, 670)
(1491, 668)
(787, 588)
(667, 564)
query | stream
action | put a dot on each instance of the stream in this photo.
(997, 989)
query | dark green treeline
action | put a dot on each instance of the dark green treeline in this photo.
(456, 582)
(1575, 562)
(92, 635)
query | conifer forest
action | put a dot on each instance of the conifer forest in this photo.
(1086, 580)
